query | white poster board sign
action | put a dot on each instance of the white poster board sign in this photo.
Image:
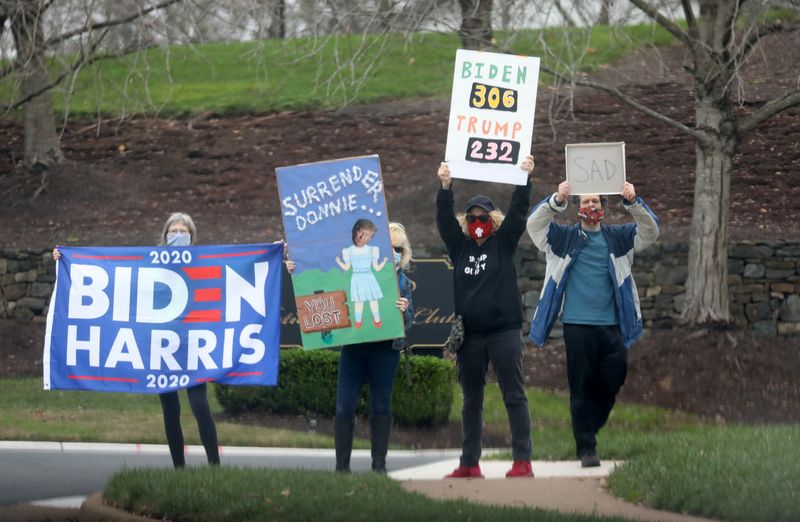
(595, 168)
(491, 116)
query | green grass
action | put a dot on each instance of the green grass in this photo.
(674, 461)
(733, 473)
(229, 494)
(626, 434)
(267, 76)
(29, 413)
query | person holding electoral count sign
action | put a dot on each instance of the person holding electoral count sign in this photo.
(374, 361)
(482, 244)
(588, 281)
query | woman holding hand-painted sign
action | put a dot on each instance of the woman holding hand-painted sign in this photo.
(362, 258)
(374, 361)
(482, 244)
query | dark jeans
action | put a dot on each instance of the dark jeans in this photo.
(504, 350)
(198, 400)
(597, 363)
(377, 363)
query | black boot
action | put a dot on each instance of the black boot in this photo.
(381, 428)
(343, 440)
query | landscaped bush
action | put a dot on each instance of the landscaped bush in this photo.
(307, 386)
(428, 400)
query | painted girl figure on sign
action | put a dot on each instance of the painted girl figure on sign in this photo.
(363, 258)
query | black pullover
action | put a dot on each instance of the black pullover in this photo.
(484, 277)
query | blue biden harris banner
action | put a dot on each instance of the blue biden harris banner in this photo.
(158, 319)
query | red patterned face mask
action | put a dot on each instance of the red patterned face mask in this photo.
(479, 230)
(591, 215)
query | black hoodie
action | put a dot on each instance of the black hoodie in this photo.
(484, 276)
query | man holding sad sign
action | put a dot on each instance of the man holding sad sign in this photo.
(588, 281)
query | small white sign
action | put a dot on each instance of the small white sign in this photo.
(491, 116)
(595, 168)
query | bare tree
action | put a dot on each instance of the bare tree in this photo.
(277, 25)
(719, 39)
(568, 20)
(604, 18)
(41, 143)
(41, 147)
(476, 24)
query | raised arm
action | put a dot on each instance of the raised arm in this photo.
(514, 223)
(446, 222)
(647, 224)
(543, 213)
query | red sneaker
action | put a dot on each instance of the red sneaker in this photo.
(521, 468)
(377, 324)
(358, 325)
(466, 472)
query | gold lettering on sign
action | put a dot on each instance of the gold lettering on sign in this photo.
(432, 316)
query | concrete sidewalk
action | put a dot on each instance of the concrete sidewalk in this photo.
(559, 486)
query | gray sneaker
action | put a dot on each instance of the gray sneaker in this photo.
(589, 459)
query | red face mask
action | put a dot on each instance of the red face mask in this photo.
(591, 215)
(478, 230)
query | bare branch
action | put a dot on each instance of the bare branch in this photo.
(771, 108)
(752, 40)
(15, 65)
(89, 26)
(613, 91)
(663, 21)
(689, 14)
(564, 14)
(84, 60)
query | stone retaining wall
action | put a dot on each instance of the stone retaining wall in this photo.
(763, 280)
(26, 283)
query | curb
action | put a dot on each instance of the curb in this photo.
(94, 510)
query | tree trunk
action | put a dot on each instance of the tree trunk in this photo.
(277, 20)
(41, 141)
(604, 18)
(707, 280)
(564, 14)
(476, 24)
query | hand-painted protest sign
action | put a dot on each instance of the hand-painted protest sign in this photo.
(334, 216)
(491, 116)
(595, 168)
(156, 319)
(434, 310)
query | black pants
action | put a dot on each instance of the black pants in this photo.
(198, 400)
(597, 363)
(504, 350)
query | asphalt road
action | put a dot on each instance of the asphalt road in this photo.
(45, 470)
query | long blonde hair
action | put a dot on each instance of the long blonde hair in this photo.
(497, 217)
(397, 232)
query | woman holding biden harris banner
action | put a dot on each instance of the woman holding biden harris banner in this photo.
(179, 231)
(482, 244)
(377, 363)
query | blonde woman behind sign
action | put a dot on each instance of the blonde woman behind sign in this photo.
(377, 363)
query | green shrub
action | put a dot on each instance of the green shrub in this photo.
(428, 400)
(307, 386)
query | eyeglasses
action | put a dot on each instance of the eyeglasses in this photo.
(398, 249)
(483, 218)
